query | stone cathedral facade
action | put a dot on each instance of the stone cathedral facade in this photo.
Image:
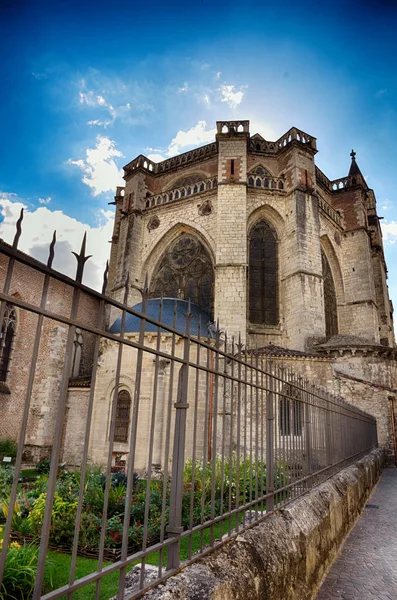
(259, 239)
(254, 232)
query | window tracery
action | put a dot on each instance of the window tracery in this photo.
(122, 416)
(330, 303)
(7, 333)
(263, 276)
(185, 271)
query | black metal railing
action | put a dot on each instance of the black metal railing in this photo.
(220, 436)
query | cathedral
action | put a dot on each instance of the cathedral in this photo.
(265, 246)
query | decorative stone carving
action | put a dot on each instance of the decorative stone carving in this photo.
(154, 222)
(205, 208)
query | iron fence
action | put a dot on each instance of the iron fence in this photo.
(220, 435)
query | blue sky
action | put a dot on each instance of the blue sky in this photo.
(88, 86)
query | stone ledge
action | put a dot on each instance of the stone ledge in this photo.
(286, 556)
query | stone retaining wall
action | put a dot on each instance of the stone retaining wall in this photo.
(286, 556)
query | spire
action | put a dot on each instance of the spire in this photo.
(354, 169)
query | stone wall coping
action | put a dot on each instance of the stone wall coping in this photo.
(286, 556)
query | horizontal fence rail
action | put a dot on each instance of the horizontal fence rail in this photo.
(214, 438)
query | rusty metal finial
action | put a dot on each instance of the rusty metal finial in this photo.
(19, 230)
(51, 250)
(105, 278)
(81, 260)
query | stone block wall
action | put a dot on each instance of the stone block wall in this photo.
(286, 556)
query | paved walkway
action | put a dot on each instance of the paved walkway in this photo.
(366, 568)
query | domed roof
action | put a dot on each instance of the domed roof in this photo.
(133, 323)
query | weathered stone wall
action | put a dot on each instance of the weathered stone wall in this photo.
(286, 556)
(75, 426)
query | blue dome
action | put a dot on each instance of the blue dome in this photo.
(133, 323)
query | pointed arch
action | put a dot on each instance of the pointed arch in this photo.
(260, 169)
(329, 251)
(187, 179)
(330, 303)
(7, 333)
(263, 295)
(185, 270)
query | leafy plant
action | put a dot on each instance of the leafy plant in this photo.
(43, 467)
(62, 521)
(18, 522)
(8, 447)
(20, 571)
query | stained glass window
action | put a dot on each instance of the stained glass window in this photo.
(6, 338)
(330, 304)
(122, 416)
(263, 276)
(185, 271)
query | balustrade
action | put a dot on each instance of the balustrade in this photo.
(181, 192)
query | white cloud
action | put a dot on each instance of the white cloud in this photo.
(101, 172)
(195, 136)
(207, 99)
(231, 97)
(156, 157)
(89, 98)
(184, 88)
(389, 231)
(45, 200)
(37, 228)
(218, 75)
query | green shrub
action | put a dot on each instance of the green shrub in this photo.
(43, 467)
(8, 447)
(62, 521)
(19, 522)
(6, 479)
(20, 572)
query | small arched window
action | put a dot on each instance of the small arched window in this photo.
(7, 333)
(330, 303)
(263, 275)
(122, 416)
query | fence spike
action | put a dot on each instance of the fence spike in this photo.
(105, 277)
(81, 259)
(51, 250)
(18, 231)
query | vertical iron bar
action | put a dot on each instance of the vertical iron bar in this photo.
(175, 528)
(270, 441)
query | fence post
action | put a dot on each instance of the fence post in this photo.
(270, 442)
(308, 446)
(328, 437)
(175, 528)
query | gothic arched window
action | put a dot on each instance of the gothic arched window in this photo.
(263, 276)
(330, 304)
(6, 338)
(185, 271)
(122, 416)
